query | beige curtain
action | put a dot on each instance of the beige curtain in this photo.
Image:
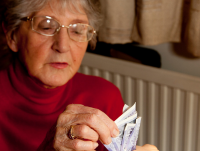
(118, 22)
(151, 22)
(191, 33)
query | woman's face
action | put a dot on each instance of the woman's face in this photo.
(52, 61)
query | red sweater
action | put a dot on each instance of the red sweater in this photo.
(28, 110)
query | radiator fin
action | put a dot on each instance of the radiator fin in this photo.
(170, 115)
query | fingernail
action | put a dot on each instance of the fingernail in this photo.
(109, 141)
(96, 145)
(115, 132)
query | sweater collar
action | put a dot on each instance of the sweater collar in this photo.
(31, 90)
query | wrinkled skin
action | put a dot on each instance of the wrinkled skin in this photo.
(37, 52)
(90, 124)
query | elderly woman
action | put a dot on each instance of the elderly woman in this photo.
(49, 39)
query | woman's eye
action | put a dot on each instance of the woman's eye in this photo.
(78, 32)
(47, 26)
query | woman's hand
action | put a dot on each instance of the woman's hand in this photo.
(89, 125)
(146, 147)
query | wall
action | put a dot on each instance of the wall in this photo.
(174, 62)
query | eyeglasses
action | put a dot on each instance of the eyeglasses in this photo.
(48, 26)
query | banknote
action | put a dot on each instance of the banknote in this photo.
(127, 132)
(125, 108)
(117, 141)
(128, 125)
(134, 136)
(127, 112)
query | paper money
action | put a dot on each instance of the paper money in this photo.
(127, 113)
(134, 136)
(128, 126)
(125, 108)
(127, 132)
(117, 141)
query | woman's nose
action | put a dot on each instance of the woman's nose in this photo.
(62, 41)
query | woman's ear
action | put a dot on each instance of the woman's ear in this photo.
(11, 39)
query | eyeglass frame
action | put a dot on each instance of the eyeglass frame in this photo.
(58, 29)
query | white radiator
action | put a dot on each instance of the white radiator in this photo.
(168, 102)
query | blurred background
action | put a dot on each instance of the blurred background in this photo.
(157, 46)
(159, 33)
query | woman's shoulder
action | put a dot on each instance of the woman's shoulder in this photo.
(98, 93)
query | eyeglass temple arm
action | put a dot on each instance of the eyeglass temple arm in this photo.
(26, 19)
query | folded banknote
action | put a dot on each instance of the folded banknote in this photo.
(129, 126)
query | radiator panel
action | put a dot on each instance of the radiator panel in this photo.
(170, 114)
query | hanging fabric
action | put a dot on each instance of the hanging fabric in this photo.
(152, 22)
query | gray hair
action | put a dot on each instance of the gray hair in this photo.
(15, 10)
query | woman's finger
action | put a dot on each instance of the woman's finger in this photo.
(61, 140)
(91, 120)
(146, 147)
(85, 132)
(80, 109)
(78, 144)
(150, 147)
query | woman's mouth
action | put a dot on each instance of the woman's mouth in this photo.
(59, 65)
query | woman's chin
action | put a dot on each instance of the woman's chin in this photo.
(52, 79)
(53, 83)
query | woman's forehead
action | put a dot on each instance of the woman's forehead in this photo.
(69, 9)
(60, 6)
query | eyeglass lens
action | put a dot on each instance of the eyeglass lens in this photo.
(48, 26)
